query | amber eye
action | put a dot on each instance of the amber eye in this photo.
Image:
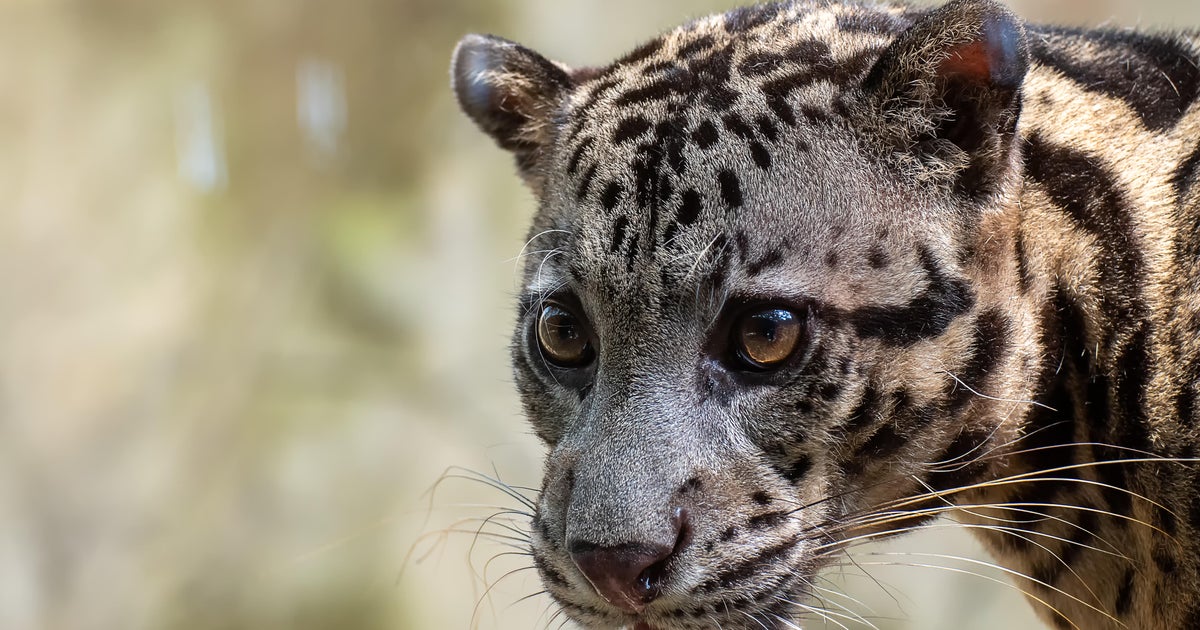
(764, 339)
(563, 338)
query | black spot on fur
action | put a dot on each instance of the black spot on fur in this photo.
(731, 190)
(577, 155)
(1185, 175)
(1024, 273)
(760, 155)
(1132, 378)
(768, 520)
(711, 76)
(656, 91)
(630, 129)
(877, 258)
(1164, 559)
(697, 45)
(959, 464)
(989, 344)
(797, 468)
(631, 255)
(582, 112)
(866, 412)
(885, 442)
(831, 259)
(813, 52)
(705, 134)
(749, 568)
(927, 315)
(1192, 619)
(659, 67)
(689, 207)
(619, 228)
(1050, 425)
(585, 184)
(1157, 76)
(735, 124)
(770, 259)
(745, 18)
(767, 127)
(760, 62)
(612, 195)
(641, 53)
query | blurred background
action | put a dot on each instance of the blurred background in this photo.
(255, 293)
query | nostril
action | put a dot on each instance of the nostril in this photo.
(630, 575)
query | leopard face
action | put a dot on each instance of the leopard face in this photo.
(771, 299)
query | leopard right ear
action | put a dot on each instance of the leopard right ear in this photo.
(954, 80)
(512, 93)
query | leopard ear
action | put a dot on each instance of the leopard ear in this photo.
(512, 93)
(949, 89)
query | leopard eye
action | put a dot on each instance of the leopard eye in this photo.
(764, 339)
(563, 338)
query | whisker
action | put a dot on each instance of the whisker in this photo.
(1002, 569)
(1001, 582)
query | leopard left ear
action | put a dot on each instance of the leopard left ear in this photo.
(512, 93)
(949, 89)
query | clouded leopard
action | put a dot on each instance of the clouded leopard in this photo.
(810, 273)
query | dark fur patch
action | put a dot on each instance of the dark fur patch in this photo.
(705, 135)
(927, 315)
(631, 129)
(767, 128)
(697, 45)
(743, 19)
(641, 53)
(731, 190)
(799, 467)
(989, 344)
(959, 465)
(770, 259)
(585, 185)
(612, 195)
(877, 258)
(1185, 175)
(689, 207)
(1158, 77)
(749, 568)
(581, 113)
(619, 228)
(577, 155)
(1089, 193)
(866, 412)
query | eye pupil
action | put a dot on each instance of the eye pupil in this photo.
(765, 339)
(562, 337)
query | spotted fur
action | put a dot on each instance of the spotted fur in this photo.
(992, 233)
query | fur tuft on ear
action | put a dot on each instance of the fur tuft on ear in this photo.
(512, 93)
(948, 92)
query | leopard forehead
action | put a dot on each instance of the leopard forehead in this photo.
(698, 140)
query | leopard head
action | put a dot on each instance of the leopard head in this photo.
(770, 297)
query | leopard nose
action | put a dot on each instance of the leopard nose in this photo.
(629, 575)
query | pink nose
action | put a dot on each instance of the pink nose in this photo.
(625, 576)
(629, 575)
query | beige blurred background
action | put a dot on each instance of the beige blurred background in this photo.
(255, 282)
